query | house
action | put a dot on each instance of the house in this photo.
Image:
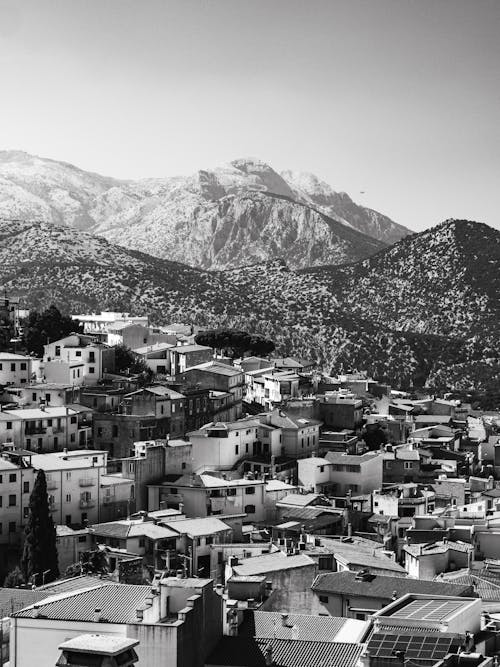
(77, 359)
(291, 576)
(269, 387)
(401, 464)
(196, 538)
(164, 619)
(403, 500)
(47, 429)
(47, 394)
(80, 490)
(210, 495)
(222, 445)
(352, 473)
(156, 356)
(220, 378)
(137, 335)
(426, 561)
(151, 413)
(300, 436)
(340, 409)
(293, 364)
(101, 323)
(15, 369)
(360, 594)
(71, 544)
(183, 357)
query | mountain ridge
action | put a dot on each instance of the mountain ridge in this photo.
(310, 313)
(215, 218)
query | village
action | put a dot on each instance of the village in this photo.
(241, 511)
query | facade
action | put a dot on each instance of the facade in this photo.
(207, 495)
(220, 378)
(183, 357)
(47, 429)
(78, 359)
(341, 409)
(15, 369)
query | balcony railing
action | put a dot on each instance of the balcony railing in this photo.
(35, 430)
(86, 481)
(86, 504)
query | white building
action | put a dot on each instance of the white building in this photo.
(77, 359)
(100, 323)
(15, 369)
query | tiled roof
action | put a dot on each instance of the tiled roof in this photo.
(487, 590)
(14, 599)
(436, 548)
(270, 624)
(300, 499)
(118, 604)
(249, 652)
(125, 529)
(199, 527)
(272, 563)
(385, 586)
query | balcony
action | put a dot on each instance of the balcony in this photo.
(51, 485)
(35, 430)
(85, 423)
(86, 481)
(86, 504)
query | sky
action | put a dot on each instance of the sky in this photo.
(396, 102)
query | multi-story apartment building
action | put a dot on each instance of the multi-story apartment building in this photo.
(47, 429)
(219, 377)
(183, 357)
(46, 394)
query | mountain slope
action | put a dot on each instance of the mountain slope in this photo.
(331, 315)
(241, 213)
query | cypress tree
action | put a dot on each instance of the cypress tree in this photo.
(40, 550)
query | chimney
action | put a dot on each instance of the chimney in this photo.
(284, 620)
(181, 508)
(268, 655)
(179, 574)
(97, 615)
(349, 529)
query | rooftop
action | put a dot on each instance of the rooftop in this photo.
(118, 604)
(199, 527)
(250, 652)
(271, 563)
(101, 644)
(384, 586)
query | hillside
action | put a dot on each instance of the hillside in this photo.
(241, 213)
(308, 313)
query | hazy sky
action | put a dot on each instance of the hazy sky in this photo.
(397, 98)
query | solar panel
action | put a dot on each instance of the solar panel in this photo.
(421, 647)
(428, 610)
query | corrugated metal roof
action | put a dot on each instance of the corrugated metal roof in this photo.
(118, 604)
(271, 624)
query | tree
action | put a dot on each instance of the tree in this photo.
(128, 362)
(39, 560)
(14, 579)
(46, 327)
(235, 342)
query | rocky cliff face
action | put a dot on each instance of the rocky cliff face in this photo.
(233, 215)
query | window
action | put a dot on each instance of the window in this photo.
(58, 351)
(91, 357)
(47, 398)
(72, 437)
(322, 468)
(142, 542)
(250, 490)
(13, 367)
(236, 449)
(56, 442)
(49, 422)
(9, 426)
(173, 408)
(1, 528)
(92, 369)
(12, 526)
(388, 465)
(73, 420)
(323, 598)
(33, 397)
(1, 501)
(408, 465)
(26, 487)
(82, 538)
(78, 353)
(68, 519)
(23, 365)
(183, 466)
(99, 431)
(12, 477)
(250, 509)
(114, 431)
(1, 367)
(231, 492)
(68, 497)
(209, 540)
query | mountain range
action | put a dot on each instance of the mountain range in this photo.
(422, 311)
(237, 214)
